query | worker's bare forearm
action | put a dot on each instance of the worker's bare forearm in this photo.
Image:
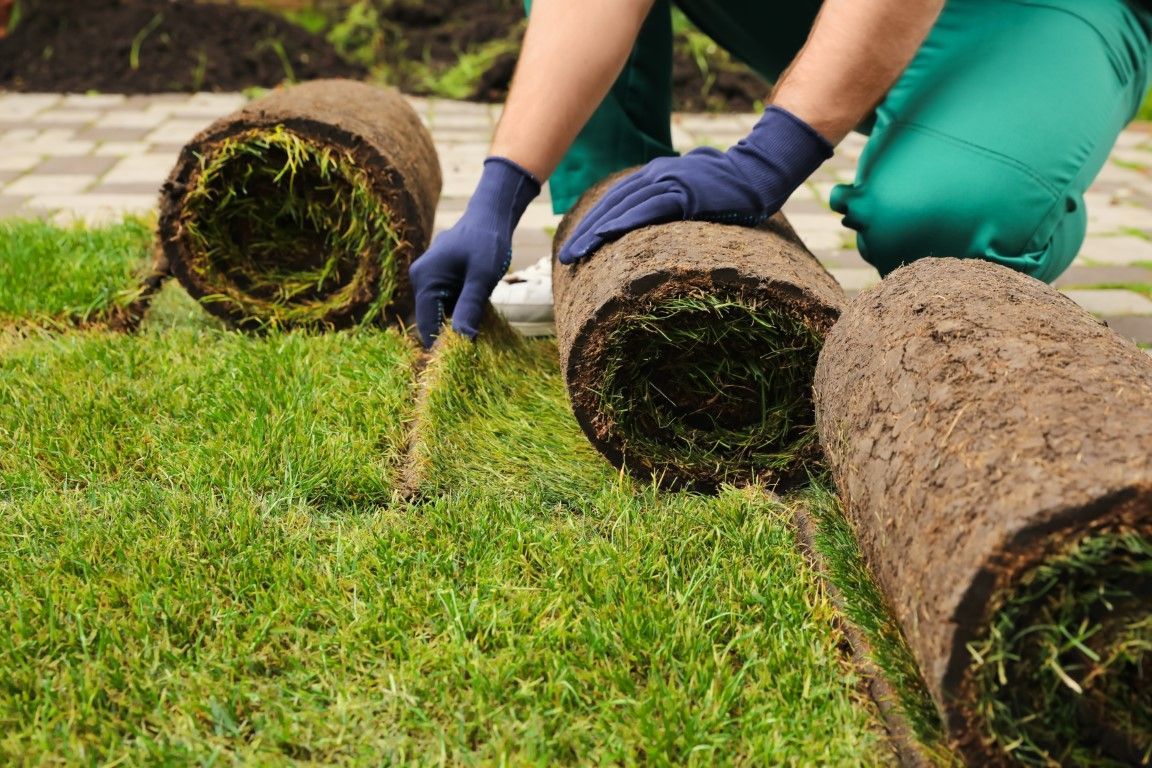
(857, 50)
(573, 52)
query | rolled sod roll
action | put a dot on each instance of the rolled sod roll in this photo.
(304, 208)
(992, 444)
(688, 348)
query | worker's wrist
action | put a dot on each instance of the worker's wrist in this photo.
(781, 150)
(503, 194)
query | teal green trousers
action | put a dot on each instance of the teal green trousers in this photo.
(982, 149)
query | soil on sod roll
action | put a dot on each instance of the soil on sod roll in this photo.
(157, 46)
(304, 208)
(688, 348)
(990, 441)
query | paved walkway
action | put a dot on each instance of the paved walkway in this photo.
(95, 157)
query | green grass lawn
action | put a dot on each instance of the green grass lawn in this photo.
(206, 559)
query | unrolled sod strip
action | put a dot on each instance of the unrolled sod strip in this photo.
(992, 443)
(304, 208)
(688, 348)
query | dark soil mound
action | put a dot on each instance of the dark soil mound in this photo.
(153, 46)
(437, 32)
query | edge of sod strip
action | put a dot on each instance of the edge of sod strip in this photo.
(990, 442)
(492, 413)
(688, 349)
(304, 208)
(89, 277)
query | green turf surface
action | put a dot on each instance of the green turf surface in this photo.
(51, 273)
(204, 561)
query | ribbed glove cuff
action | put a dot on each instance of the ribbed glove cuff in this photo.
(503, 194)
(785, 149)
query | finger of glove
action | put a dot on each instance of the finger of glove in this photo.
(430, 313)
(640, 211)
(469, 311)
(621, 191)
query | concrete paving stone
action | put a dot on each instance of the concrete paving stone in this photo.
(445, 219)
(1110, 301)
(130, 118)
(126, 189)
(226, 101)
(1117, 173)
(1107, 215)
(823, 189)
(1117, 249)
(93, 100)
(148, 100)
(21, 162)
(60, 184)
(12, 126)
(17, 136)
(73, 166)
(1080, 275)
(453, 135)
(7, 176)
(172, 150)
(801, 203)
(435, 105)
(13, 206)
(20, 106)
(113, 134)
(843, 259)
(819, 232)
(94, 208)
(460, 185)
(1132, 156)
(1135, 327)
(855, 280)
(460, 121)
(66, 117)
(539, 216)
(121, 148)
(177, 131)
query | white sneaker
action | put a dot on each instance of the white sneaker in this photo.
(524, 298)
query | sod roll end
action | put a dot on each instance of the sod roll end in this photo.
(688, 349)
(992, 442)
(304, 208)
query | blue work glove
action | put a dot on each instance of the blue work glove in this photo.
(456, 276)
(744, 185)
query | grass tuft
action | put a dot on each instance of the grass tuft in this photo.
(51, 274)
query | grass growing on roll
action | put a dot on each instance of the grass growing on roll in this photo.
(287, 230)
(714, 385)
(1065, 671)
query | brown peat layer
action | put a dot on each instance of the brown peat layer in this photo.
(991, 443)
(688, 348)
(304, 208)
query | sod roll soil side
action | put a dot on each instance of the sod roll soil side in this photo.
(688, 348)
(992, 443)
(304, 208)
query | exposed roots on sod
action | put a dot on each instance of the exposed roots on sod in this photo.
(288, 231)
(1066, 668)
(713, 385)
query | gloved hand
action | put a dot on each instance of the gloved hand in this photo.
(744, 185)
(457, 274)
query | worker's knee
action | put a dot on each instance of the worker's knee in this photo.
(1027, 229)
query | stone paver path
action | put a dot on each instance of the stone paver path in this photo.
(96, 157)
